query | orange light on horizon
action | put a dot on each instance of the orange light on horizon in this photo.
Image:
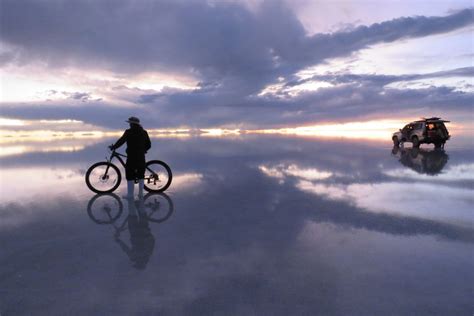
(217, 132)
(374, 130)
(371, 130)
(12, 131)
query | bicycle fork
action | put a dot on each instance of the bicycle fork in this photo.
(104, 177)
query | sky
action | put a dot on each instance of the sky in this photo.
(246, 64)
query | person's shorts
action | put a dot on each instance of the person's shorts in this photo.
(135, 168)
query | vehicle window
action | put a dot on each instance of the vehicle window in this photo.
(418, 126)
(430, 126)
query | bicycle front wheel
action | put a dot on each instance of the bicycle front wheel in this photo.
(103, 177)
(157, 176)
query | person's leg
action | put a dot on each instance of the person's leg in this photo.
(130, 176)
(141, 185)
(141, 175)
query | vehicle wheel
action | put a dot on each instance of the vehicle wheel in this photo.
(396, 142)
(103, 177)
(158, 176)
(158, 207)
(438, 145)
(415, 142)
(105, 208)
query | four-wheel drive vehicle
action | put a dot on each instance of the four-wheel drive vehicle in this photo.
(425, 131)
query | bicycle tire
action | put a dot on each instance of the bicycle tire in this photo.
(112, 219)
(150, 177)
(103, 163)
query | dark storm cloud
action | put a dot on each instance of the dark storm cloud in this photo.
(93, 112)
(351, 97)
(234, 53)
(350, 101)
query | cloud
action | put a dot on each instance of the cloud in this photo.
(338, 78)
(219, 41)
(233, 52)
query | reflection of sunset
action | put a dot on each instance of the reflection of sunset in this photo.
(23, 149)
(280, 171)
(219, 132)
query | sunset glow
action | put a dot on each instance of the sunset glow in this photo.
(29, 130)
(376, 130)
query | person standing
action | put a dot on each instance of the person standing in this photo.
(138, 143)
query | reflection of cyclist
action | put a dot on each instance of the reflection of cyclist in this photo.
(142, 241)
(138, 143)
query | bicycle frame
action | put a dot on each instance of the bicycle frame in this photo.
(119, 157)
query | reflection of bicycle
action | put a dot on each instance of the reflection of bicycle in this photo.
(105, 177)
(107, 208)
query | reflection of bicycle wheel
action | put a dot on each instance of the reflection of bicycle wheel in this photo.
(105, 208)
(158, 176)
(158, 207)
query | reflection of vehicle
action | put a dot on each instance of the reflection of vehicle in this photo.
(422, 161)
(425, 131)
(105, 177)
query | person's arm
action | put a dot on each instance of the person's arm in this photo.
(120, 142)
(147, 142)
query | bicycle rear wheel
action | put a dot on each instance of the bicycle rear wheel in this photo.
(158, 176)
(158, 207)
(103, 177)
(105, 208)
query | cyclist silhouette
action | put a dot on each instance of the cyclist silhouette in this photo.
(138, 143)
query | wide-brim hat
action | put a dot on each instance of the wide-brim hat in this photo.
(133, 120)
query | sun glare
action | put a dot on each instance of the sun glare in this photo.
(375, 130)
(11, 122)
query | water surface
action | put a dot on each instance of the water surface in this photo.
(251, 225)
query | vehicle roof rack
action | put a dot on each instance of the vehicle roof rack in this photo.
(434, 118)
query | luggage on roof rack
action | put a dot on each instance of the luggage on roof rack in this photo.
(438, 119)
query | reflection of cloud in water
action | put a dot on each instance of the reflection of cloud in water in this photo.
(446, 203)
(390, 197)
(293, 170)
(461, 172)
(16, 146)
(186, 181)
(19, 184)
(44, 148)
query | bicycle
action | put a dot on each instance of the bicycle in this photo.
(105, 177)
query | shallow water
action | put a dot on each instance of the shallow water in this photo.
(251, 225)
